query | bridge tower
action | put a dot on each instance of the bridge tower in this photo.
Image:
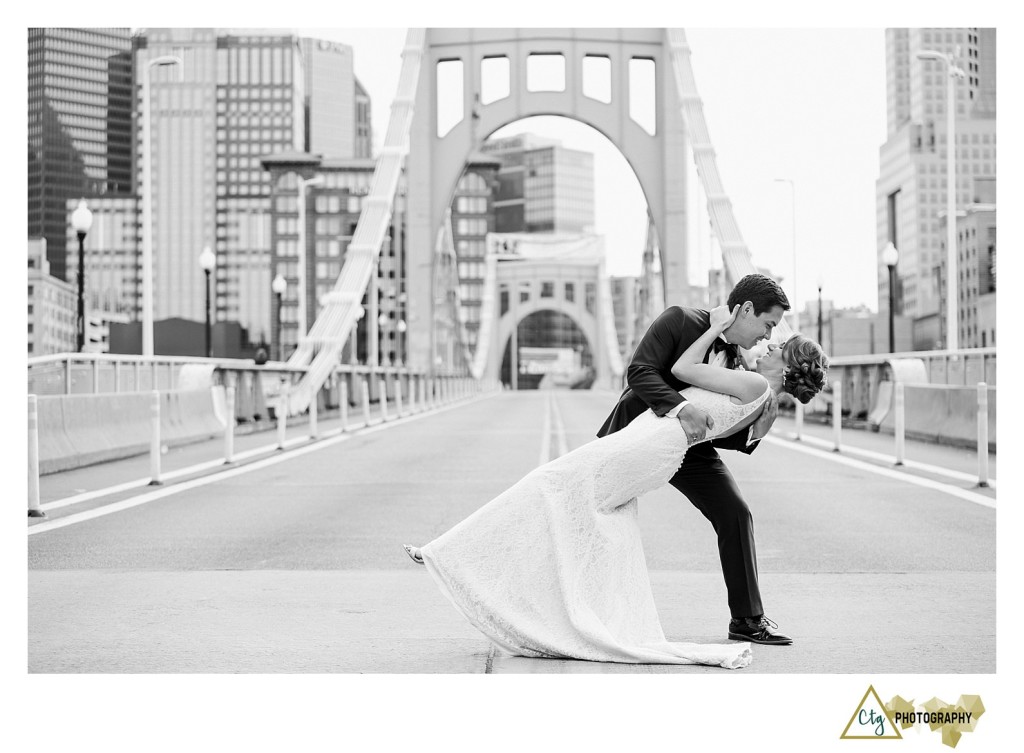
(436, 160)
(596, 70)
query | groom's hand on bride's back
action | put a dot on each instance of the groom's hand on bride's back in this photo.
(764, 422)
(695, 422)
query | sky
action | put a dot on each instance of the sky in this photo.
(801, 105)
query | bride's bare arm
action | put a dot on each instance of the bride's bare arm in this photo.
(743, 385)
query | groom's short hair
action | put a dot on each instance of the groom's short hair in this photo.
(762, 291)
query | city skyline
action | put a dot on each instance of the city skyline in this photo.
(624, 258)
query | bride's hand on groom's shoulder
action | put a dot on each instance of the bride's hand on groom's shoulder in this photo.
(721, 317)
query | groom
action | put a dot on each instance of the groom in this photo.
(703, 478)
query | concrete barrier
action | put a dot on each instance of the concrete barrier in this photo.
(904, 370)
(946, 414)
(53, 439)
(83, 429)
(187, 415)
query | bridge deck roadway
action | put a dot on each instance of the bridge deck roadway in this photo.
(295, 564)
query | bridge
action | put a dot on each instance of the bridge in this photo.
(422, 161)
(290, 560)
(203, 515)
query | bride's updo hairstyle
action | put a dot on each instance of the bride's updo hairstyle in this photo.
(806, 367)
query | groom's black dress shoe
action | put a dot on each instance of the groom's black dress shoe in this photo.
(757, 630)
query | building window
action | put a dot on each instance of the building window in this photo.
(570, 292)
(547, 290)
(474, 226)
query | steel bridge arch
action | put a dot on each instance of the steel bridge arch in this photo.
(435, 162)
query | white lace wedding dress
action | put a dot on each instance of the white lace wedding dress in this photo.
(554, 566)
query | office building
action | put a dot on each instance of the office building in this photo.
(79, 126)
(911, 187)
(310, 258)
(976, 270)
(113, 276)
(245, 95)
(473, 217)
(52, 306)
(337, 108)
(543, 187)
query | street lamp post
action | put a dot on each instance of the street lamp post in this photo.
(792, 197)
(953, 72)
(820, 330)
(279, 285)
(81, 221)
(303, 184)
(208, 261)
(147, 199)
(890, 256)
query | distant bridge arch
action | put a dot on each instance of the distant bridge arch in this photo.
(586, 325)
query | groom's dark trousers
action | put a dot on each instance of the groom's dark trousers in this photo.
(703, 477)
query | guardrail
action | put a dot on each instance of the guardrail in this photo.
(399, 393)
(95, 373)
(863, 377)
(255, 387)
(950, 413)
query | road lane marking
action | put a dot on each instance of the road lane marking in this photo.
(836, 457)
(336, 437)
(545, 433)
(560, 442)
(881, 456)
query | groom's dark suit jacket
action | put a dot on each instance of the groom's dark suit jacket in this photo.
(650, 379)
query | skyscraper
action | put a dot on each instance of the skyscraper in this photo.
(337, 107)
(543, 186)
(245, 95)
(911, 188)
(79, 126)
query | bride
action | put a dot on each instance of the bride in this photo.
(554, 566)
